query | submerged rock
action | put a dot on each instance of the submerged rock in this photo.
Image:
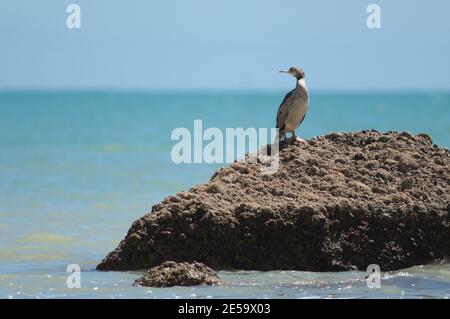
(171, 274)
(338, 202)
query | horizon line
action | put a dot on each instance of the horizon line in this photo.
(218, 91)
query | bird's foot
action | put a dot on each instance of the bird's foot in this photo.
(296, 139)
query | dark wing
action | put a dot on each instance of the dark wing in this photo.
(302, 119)
(306, 111)
(281, 109)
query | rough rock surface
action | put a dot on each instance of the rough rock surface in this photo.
(171, 274)
(338, 202)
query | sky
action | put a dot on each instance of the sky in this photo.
(224, 45)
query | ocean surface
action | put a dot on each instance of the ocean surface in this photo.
(77, 168)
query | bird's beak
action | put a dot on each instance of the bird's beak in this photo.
(284, 71)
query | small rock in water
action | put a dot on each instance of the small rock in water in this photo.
(171, 274)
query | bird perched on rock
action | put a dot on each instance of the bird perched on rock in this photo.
(293, 109)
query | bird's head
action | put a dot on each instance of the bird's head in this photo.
(295, 72)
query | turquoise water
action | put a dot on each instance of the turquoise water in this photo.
(77, 168)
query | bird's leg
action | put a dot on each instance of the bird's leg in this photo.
(294, 136)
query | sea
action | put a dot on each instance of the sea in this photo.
(78, 167)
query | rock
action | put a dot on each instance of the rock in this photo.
(335, 203)
(426, 137)
(171, 274)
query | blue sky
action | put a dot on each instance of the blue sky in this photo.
(224, 44)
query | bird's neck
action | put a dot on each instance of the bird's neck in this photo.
(301, 84)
